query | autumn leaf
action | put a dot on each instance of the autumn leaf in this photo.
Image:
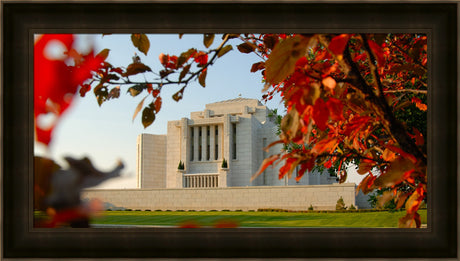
(183, 58)
(281, 62)
(270, 40)
(388, 155)
(257, 66)
(224, 50)
(148, 116)
(384, 198)
(320, 114)
(141, 42)
(414, 201)
(114, 93)
(202, 78)
(367, 184)
(410, 221)
(208, 39)
(184, 72)
(246, 47)
(290, 123)
(265, 163)
(395, 172)
(327, 145)
(157, 104)
(365, 166)
(136, 68)
(338, 44)
(378, 53)
(136, 89)
(329, 83)
(103, 54)
(335, 108)
(178, 95)
(138, 108)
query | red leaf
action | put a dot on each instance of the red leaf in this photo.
(327, 145)
(338, 44)
(335, 107)
(377, 50)
(320, 114)
(201, 58)
(158, 104)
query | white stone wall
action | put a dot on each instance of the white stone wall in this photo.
(151, 166)
(173, 154)
(237, 198)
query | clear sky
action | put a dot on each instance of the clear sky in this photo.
(107, 133)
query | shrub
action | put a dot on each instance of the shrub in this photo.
(352, 207)
(340, 204)
(224, 164)
(181, 165)
(310, 208)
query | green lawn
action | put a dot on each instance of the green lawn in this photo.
(255, 219)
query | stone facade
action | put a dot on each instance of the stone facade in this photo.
(321, 197)
(236, 130)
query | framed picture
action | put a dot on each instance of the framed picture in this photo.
(22, 21)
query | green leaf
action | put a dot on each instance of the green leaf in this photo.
(184, 72)
(137, 89)
(141, 41)
(202, 78)
(136, 68)
(208, 39)
(148, 116)
(224, 50)
(139, 107)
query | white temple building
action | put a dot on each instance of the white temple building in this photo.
(236, 130)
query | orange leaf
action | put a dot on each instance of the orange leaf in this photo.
(282, 60)
(413, 202)
(410, 221)
(395, 172)
(365, 167)
(388, 155)
(329, 83)
(401, 152)
(325, 145)
(267, 162)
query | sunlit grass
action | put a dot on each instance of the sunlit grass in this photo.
(256, 219)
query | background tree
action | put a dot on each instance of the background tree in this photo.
(349, 98)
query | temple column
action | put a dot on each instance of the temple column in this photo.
(203, 143)
(212, 142)
(195, 142)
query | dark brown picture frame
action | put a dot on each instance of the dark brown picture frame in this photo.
(21, 20)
